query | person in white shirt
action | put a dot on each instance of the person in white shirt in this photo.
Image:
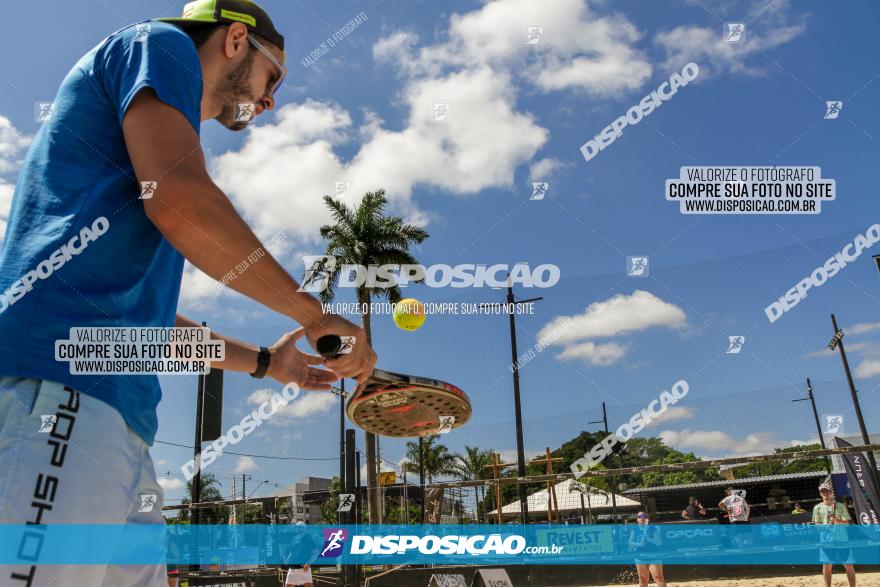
(829, 511)
(297, 577)
(735, 506)
(301, 576)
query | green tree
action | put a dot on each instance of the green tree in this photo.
(438, 460)
(592, 487)
(210, 491)
(785, 465)
(472, 466)
(365, 236)
(329, 515)
(657, 479)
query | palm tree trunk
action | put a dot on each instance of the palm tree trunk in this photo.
(374, 494)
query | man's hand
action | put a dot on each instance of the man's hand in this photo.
(360, 362)
(289, 364)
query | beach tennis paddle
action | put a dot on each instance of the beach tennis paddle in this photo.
(394, 404)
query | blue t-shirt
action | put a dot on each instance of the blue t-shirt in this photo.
(119, 271)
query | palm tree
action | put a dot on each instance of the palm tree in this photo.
(587, 489)
(210, 491)
(471, 466)
(438, 460)
(365, 236)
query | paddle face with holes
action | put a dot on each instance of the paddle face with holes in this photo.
(392, 404)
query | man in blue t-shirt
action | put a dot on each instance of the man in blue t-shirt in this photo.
(112, 197)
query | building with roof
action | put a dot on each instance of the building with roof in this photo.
(767, 495)
(572, 505)
(302, 510)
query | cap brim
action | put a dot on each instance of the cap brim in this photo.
(183, 22)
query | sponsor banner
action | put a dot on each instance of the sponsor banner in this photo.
(865, 493)
(579, 541)
(434, 505)
(760, 544)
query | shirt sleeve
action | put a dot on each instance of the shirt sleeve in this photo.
(842, 513)
(152, 55)
(816, 514)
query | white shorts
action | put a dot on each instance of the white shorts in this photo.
(298, 577)
(84, 466)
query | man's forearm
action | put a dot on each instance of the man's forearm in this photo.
(238, 356)
(204, 226)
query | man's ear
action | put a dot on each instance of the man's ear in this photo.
(236, 40)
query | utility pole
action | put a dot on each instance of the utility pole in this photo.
(342, 396)
(405, 502)
(812, 401)
(604, 421)
(517, 405)
(196, 497)
(349, 572)
(837, 342)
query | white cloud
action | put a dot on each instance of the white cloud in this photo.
(672, 414)
(862, 328)
(620, 314)
(769, 28)
(245, 465)
(851, 347)
(306, 404)
(509, 455)
(544, 169)
(283, 169)
(578, 48)
(197, 289)
(6, 191)
(868, 368)
(170, 484)
(600, 355)
(715, 443)
(12, 147)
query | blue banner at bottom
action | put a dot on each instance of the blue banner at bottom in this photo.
(253, 545)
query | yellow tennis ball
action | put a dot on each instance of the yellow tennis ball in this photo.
(409, 314)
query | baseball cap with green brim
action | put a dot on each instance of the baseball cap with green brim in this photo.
(227, 12)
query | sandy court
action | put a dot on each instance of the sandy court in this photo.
(839, 580)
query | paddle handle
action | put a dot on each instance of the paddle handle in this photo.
(329, 345)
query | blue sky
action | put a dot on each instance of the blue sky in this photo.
(519, 113)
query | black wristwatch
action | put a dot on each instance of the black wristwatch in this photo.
(263, 360)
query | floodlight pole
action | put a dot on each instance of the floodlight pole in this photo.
(837, 342)
(812, 401)
(517, 404)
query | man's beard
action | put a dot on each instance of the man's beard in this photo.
(235, 90)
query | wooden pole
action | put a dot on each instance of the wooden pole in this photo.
(552, 503)
(497, 467)
(665, 468)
